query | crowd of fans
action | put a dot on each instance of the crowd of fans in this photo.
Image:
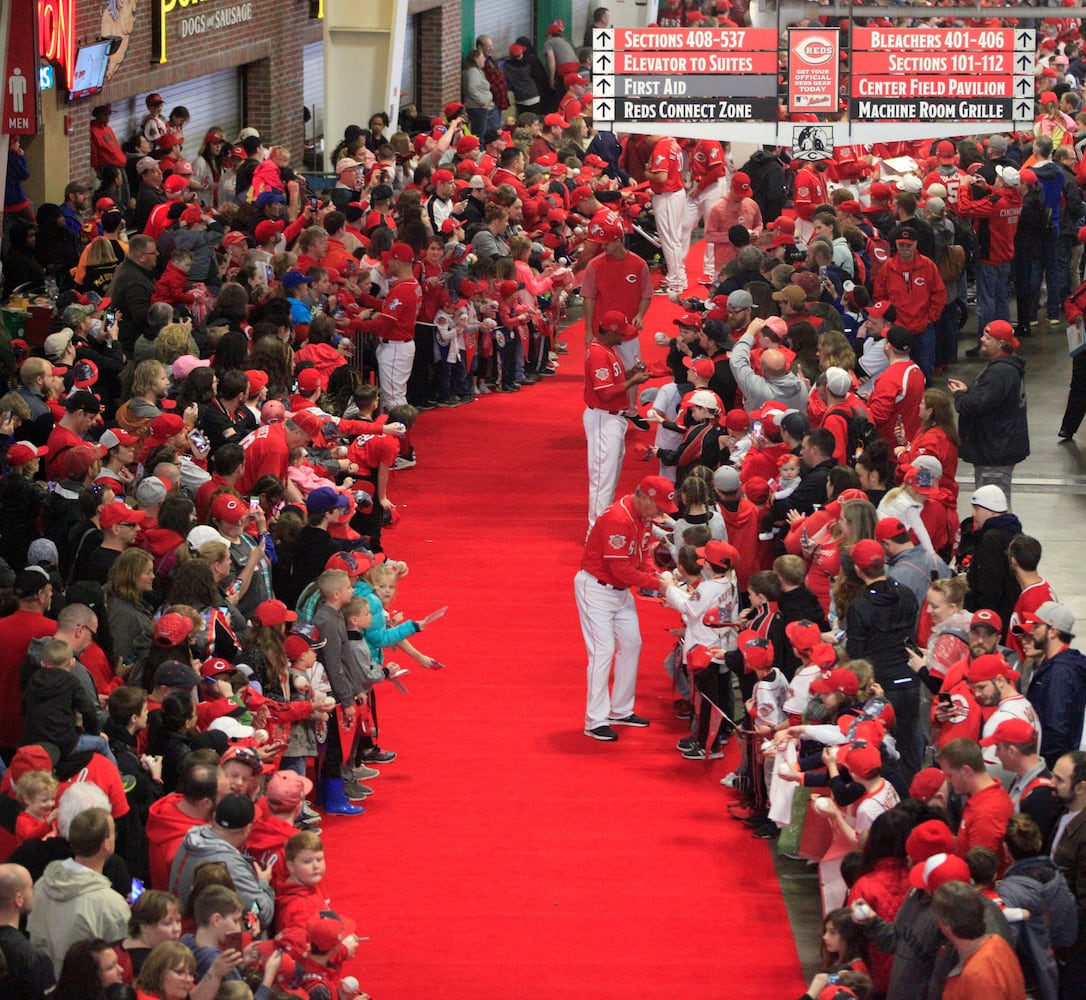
(199, 463)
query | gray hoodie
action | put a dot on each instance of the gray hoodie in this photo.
(788, 388)
(202, 844)
(73, 903)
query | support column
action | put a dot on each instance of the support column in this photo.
(363, 56)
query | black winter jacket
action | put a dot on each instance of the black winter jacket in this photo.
(992, 423)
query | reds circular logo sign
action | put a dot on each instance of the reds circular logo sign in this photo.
(814, 51)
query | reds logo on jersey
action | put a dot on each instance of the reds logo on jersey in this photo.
(601, 374)
(617, 542)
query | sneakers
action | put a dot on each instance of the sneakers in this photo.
(731, 780)
(683, 709)
(356, 792)
(1064, 435)
(375, 755)
(483, 390)
(309, 814)
(467, 398)
(630, 720)
(362, 772)
(605, 734)
(449, 402)
(767, 831)
(639, 422)
(700, 753)
(404, 463)
(740, 812)
(687, 743)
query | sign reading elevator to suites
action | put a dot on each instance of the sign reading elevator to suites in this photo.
(192, 19)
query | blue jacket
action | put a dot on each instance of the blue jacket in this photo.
(1037, 885)
(1058, 693)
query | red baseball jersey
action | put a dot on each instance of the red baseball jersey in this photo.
(604, 379)
(615, 549)
(667, 156)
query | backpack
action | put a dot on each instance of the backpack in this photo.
(965, 236)
(878, 253)
(861, 432)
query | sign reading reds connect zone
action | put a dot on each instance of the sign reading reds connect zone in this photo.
(671, 75)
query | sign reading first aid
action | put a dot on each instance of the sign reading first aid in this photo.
(814, 61)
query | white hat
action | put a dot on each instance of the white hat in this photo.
(910, 183)
(702, 397)
(233, 729)
(1009, 175)
(838, 381)
(204, 533)
(990, 497)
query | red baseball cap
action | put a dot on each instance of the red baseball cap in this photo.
(227, 507)
(757, 650)
(271, 613)
(119, 512)
(1010, 731)
(661, 491)
(1000, 329)
(840, 680)
(988, 618)
(615, 322)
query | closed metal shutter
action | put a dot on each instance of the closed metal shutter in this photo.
(581, 18)
(313, 86)
(409, 70)
(313, 99)
(212, 100)
(504, 21)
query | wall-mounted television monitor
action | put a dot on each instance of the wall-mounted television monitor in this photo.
(89, 75)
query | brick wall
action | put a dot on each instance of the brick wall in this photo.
(268, 48)
(439, 56)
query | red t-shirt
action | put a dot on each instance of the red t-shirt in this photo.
(266, 453)
(616, 283)
(984, 820)
(614, 551)
(61, 441)
(101, 771)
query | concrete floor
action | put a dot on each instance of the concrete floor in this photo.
(1050, 499)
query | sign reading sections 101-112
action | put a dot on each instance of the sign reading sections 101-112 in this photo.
(697, 75)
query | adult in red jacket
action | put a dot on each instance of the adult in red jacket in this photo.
(267, 449)
(898, 390)
(997, 211)
(743, 521)
(35, 594)
(913, 283)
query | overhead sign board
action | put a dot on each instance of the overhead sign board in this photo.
(900, 83)
(670, 76)
(814, 61)
(983, 76)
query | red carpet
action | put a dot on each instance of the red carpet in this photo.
(505, 854)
